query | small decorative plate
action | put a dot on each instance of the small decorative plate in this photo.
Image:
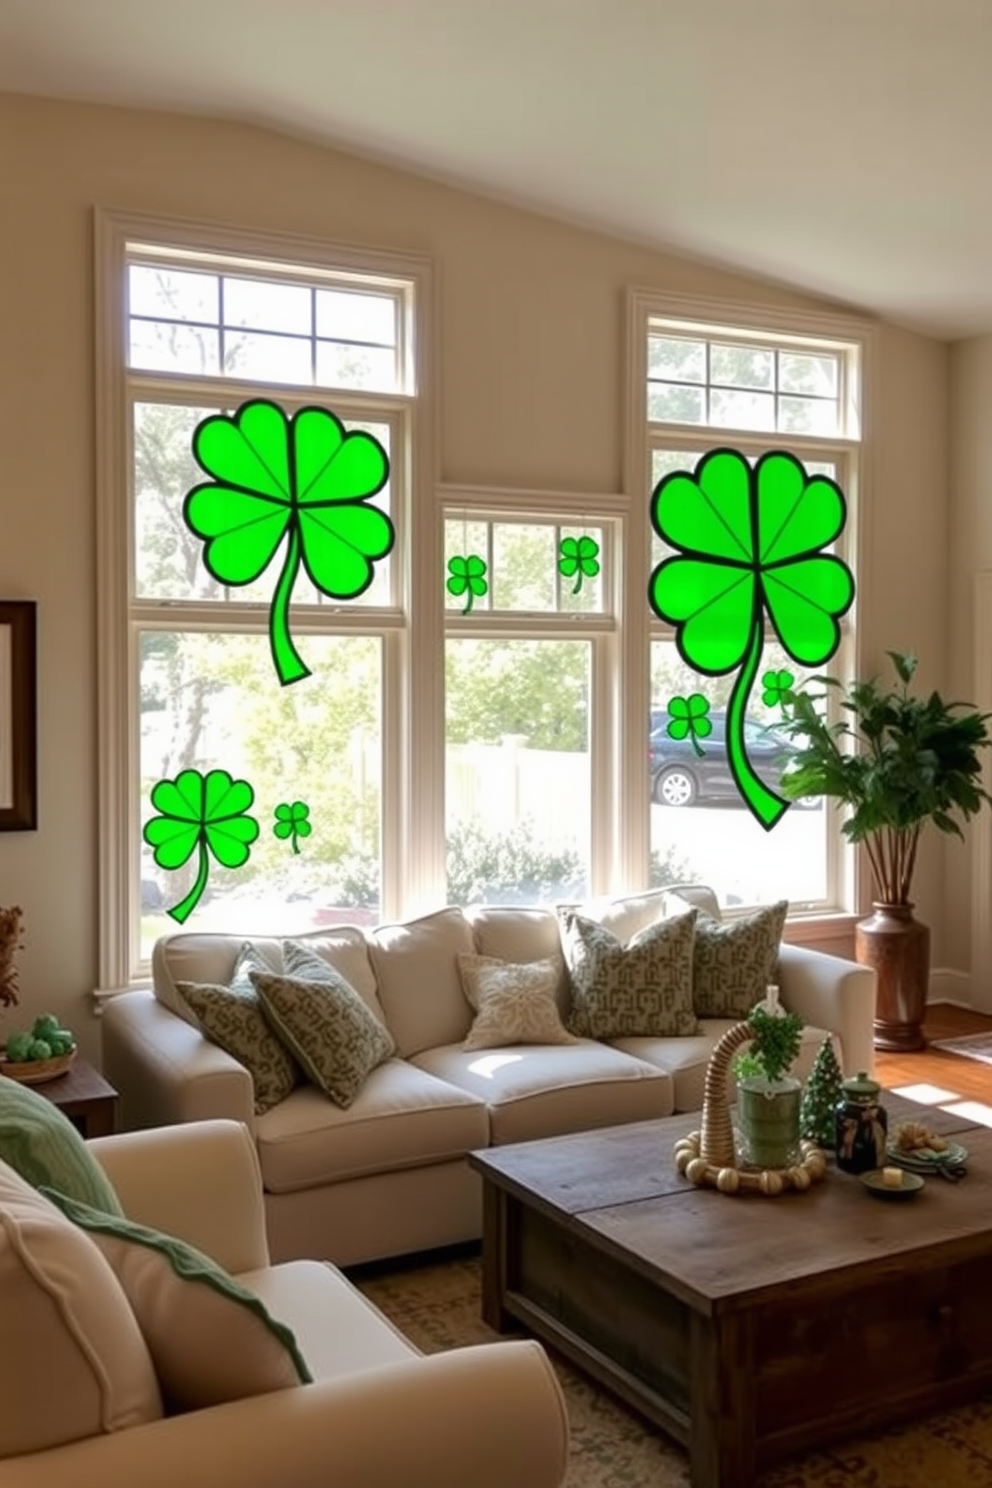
(925, 1159)
(877, 1187)
(36, 1071)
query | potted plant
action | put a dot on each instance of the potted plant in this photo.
(768, 1097)
(896, 761)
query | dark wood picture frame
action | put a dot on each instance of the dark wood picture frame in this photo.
(18, 716)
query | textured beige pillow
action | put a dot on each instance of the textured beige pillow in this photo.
(734, 961)
(74, 1362)
(210, 1338)
(231, 1016)
(327, 1026)
(514, 1003)
(642, 989)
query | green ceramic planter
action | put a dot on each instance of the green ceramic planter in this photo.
(768, 1121)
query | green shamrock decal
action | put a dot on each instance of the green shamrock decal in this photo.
(578, 556)
(205, 812)
(299, 480)
(749, 543)
(292, 822)
(774, 687)
(689, 720)
(468, 577)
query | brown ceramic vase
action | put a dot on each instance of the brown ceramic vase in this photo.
(897, 948)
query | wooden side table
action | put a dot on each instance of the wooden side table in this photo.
(82, 1094)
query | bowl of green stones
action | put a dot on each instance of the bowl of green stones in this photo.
(42, 1053)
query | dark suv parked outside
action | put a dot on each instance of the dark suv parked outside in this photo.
(681, 777)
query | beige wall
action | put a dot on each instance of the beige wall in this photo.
(970, 554)
(530, 342)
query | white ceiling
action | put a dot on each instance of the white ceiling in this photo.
(839, 146)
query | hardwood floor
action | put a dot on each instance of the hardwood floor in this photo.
(965, 1078)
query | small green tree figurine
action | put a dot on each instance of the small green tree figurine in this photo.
(820, 1097)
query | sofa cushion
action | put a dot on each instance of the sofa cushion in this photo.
(195, 956)
(642, 987)
(74, 1361)
(41, 1143)
(230, 1015)
(417, 975)
(514, 1003)
(685, 1059)
(401, 1118)
(734, 961)
(540, 1092)
(210, 1338)
(527, 933)
(626, 916)
(327, 1027)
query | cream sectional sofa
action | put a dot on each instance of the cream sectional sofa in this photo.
(80, 1404)
(389, 1175)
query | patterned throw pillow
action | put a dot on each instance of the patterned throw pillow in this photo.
(735, 960)
(514, 1004)
(39, 1141)
(642, 989)
(210, 1338)
(328, 1026)
(231, 1016)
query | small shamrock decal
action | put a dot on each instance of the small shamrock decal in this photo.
(468, 577)
(292, 822)
(689, 720)
(300, 480)
(200, 812)
(578, 556)
(749, 544)
(774, 687)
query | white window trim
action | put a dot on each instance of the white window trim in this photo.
(413, 778)
(846, 887)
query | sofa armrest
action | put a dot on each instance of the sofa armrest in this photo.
(200, 1181)
(488, 1416)
(834, 994)
(166, 1071)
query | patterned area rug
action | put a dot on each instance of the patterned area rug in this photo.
(437, 1306)
(969, 1045)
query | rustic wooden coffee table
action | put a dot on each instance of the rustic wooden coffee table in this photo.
(748, 1328)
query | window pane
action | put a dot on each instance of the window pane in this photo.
(675, 404)
(816, 375)
(742, 410)
(742, 366)
(212, 701)
(172, 294)
(676, 360)
(342, 316)
(700, 828)
(524, 567)
(517, 770)
(807, 416)
(168, 557)
(365, 367)
(265, 306)
(159, 347)
(268, 358)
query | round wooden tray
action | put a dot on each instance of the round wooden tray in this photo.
(36, 1071)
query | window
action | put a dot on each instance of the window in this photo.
(708, 381)
(526, 661)
(194, 325)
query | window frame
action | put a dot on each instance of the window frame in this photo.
(650, 312)
(411, 690)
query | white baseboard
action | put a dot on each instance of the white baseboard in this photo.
(948, 985)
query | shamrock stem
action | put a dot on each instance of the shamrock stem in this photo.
(763, 803)
(288, 663)
(578, 581)
(185, 907)
(469, 597)
(296, 841)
